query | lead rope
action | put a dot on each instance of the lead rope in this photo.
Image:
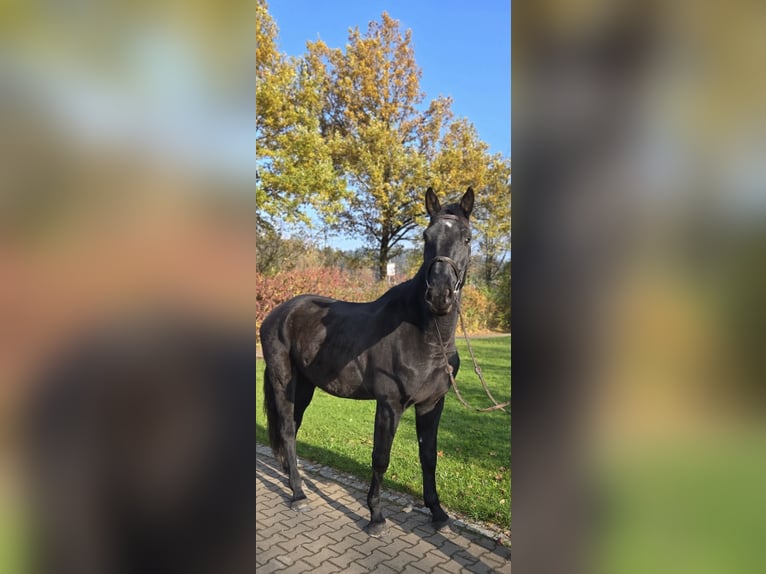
(476, 369)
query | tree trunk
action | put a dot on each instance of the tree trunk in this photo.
(489, 274)
(382, 258)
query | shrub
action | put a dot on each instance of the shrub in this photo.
(478, 309)
(501, 295)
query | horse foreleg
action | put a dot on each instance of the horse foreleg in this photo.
(427, 424)
(386, 421)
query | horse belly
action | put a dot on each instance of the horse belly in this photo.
(346, 383)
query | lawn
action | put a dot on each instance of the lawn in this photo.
(473, 470)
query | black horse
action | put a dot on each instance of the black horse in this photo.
(391, 350)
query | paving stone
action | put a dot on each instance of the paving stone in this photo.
(269, 557)
(464, 558)
(298, 568)
(475, 549)
(377, 568)
(498, 562)
(389, 548)
(399, 561)
(420, 548)
(449, 548)
(482, 568)
(300, 553)
(329, 538)
(323, 555)
(270, 566)
(294, 542)
(452, 566)
(420, 566)
(268, 543)
(319, 532)
(345, 558)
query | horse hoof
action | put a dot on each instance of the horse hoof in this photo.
(376, 529)
(439, 519)
(300, 505)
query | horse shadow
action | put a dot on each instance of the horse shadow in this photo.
(415, 520)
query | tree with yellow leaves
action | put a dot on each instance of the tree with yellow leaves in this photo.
(463, 160)
(295, 168)
(381, 142)
(348, 132)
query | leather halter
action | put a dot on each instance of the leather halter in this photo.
(443, 259)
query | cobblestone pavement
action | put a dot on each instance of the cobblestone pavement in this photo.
(329, 536)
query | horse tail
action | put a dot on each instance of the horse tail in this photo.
(273, 420)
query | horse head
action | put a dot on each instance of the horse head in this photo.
(447, 250)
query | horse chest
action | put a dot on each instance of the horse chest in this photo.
(421, 381)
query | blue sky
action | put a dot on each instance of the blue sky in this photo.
(463, 49)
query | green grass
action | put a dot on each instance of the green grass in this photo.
(473, 474)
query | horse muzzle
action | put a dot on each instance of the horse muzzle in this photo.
(440, 301)
(441, 290)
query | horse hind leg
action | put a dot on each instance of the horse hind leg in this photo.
(280, 383)
(304, 392)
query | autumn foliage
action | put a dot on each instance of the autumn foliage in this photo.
(478, 308)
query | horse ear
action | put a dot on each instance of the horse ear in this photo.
(432, 203)
(467, 202)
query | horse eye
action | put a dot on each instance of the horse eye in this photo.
(467, 240)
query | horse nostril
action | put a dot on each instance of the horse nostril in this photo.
(440, 297)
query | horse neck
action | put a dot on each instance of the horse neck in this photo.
(443, 328)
